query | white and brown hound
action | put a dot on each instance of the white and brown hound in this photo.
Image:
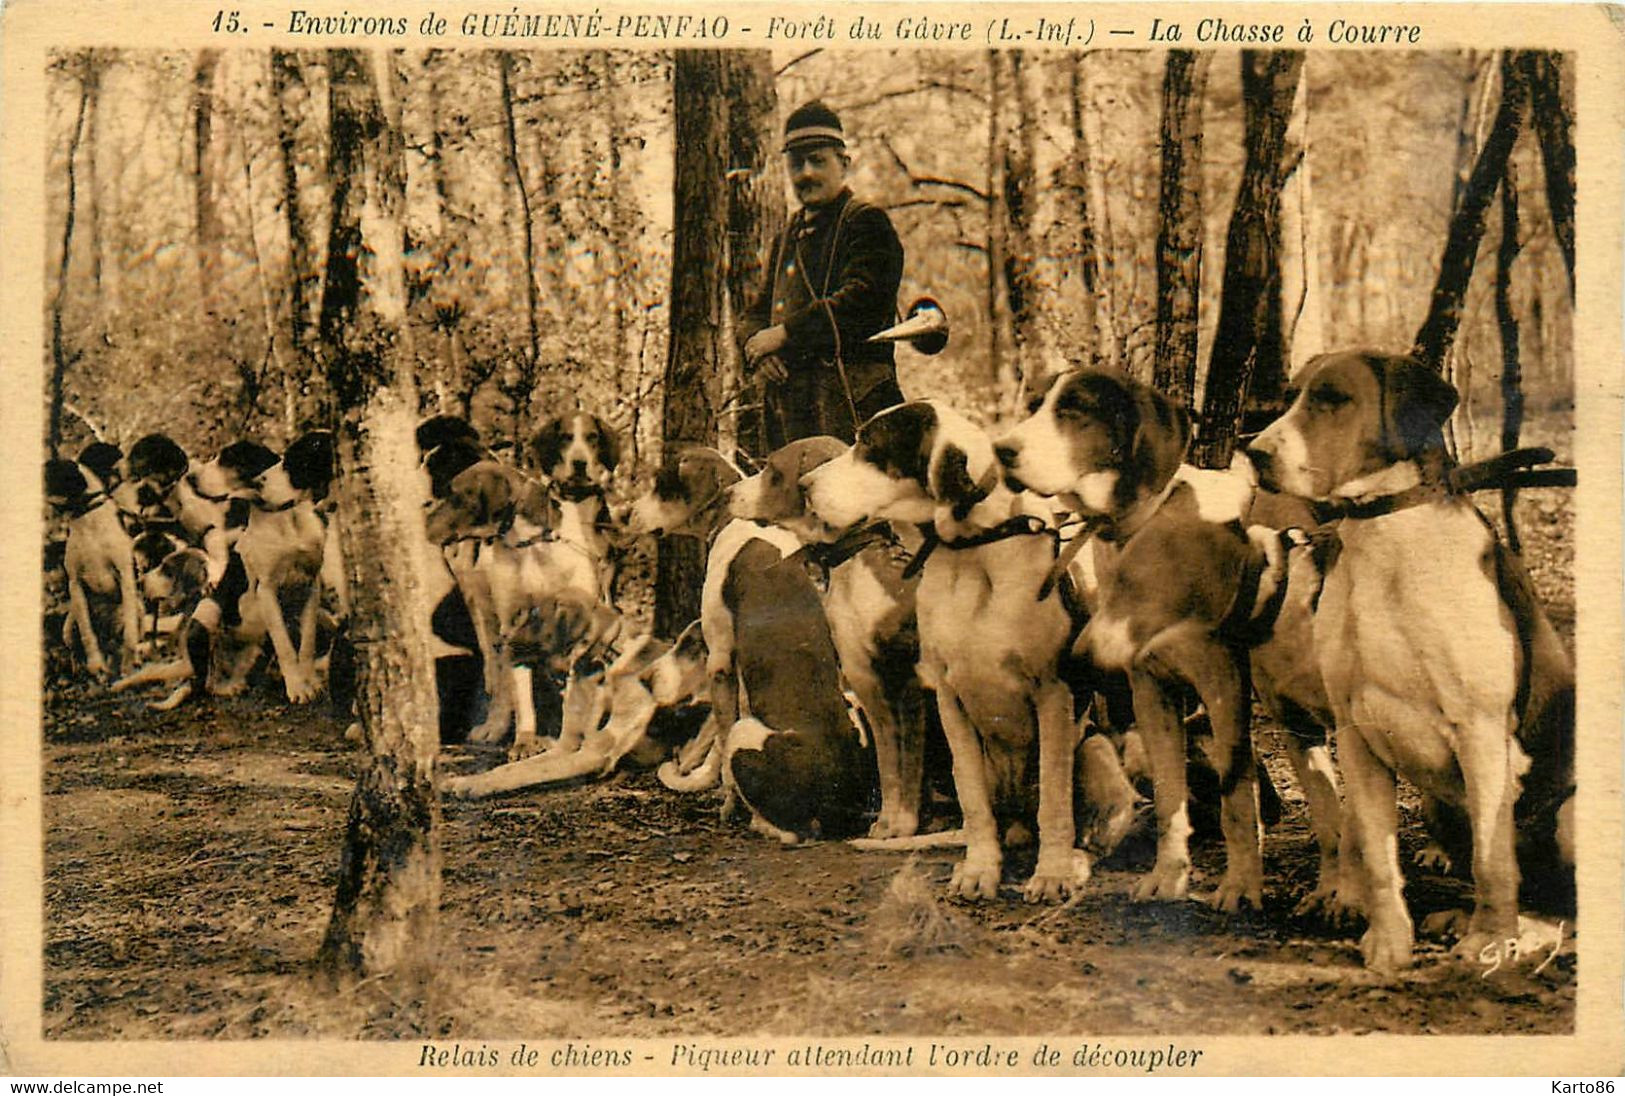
(611, 712)
(1439, 663)
(578, 454)
(992, 628)
(870, 605)
(514, 566)
(781, 738)
(99, 559)
(1181, 590)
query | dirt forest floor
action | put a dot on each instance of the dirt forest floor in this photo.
(191, 860)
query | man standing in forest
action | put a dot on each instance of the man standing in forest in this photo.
(835, 275)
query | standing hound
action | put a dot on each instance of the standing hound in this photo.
(1188, 598)
(287, 544)
(514, 567)
(1439, 663)
(992, 628)
(463, 645)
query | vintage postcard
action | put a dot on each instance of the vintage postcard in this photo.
(850, 539)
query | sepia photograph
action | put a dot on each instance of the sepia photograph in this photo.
(849, 542)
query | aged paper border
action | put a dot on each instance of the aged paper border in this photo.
(1596, 34)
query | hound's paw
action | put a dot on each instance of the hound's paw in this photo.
(973, 881)
(1433, 857)
(1110, 827)
(1235, 888)
(1165, 881)
(300, 690)
(96, 666)
(1448, 924)
(491, 731)
(529, 747)
(457, 787)
(1482, 947)
(1329, 904)
(895, 825)
(174, 700)
(1059, 881)
(228, 688)
(1386, 951)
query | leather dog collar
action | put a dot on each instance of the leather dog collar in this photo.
(1022, 525)
(84, 504)
(1514, 468)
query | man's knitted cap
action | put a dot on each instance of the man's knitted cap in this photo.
(812, 125)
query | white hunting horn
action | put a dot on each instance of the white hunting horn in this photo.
(925, 328)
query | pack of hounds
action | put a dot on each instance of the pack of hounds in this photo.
(1074, 612)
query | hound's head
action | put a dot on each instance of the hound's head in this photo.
(775, 494)
(235, 473)
(918, 462)
(106, 460)
(439, 430)
(562, 632)
(170, 571)
(679, 676)
(154, 465)
(691, 484)
(304, 474)
(578, 452)
(481, 502)
(1101, 439)
(67, 484)
(1356, 413)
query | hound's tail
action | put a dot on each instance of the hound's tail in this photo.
(707, 774)
(942, 839)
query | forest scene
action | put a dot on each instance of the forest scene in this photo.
(247, 245)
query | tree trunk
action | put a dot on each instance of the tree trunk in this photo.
(698, 300)
(1014, 204)
(1087, 344)
(1553, 110)
(756, 216)
(292, 101)
(526, 386)
(210, 230)
(385, 913)
(1247, 361)
(1179, 232)
(1303, 297)
(60, 358)
(1438, 331)
(1511, 364)
(1111, 346)
(1000, 336)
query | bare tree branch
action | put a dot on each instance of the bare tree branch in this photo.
(917, 181)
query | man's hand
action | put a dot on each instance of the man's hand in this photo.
(763, 345)
(772, 369)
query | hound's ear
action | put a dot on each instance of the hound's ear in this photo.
(1416, 403)
(549, 445)
(901, 438)
(952, 483)
(310, 462)
(494, 499)
(691, 643)
(816, 450)
(539, 507)
(609, 445)
(1161, 435)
